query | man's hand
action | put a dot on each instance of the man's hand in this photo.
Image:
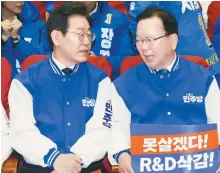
(124, 163)
(7, 28)
(67, 163)
(16, 25)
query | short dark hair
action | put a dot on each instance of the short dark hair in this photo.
(169, 21)
(58, 19)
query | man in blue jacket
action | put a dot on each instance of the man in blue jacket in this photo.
(164, 89)
(112, 39)
(23, 34)
(60, 108)
(193, 38)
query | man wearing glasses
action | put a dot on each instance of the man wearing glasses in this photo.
(164, 89)
(193, 38)
(60, 107)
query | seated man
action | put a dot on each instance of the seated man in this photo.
(112, 39)
(60, 107)
(193, 38)
(164, 89)
(23, 33)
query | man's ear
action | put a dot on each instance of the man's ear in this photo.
(174, 41)
(56, 37)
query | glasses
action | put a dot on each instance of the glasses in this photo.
(82, 35)
(149, 40)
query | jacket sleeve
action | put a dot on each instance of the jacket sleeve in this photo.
(6, 149)
(6, 48)
(120, 133)
(25, 137)
(38, 45)
(212, 105)
(93, 145)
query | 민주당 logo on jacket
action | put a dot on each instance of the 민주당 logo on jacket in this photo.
(88, 102)
(189, 97)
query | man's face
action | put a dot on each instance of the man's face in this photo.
(155, 53)
(76, 44)
(15, 7)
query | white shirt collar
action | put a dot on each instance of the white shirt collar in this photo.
(169, 67)
(60, 65)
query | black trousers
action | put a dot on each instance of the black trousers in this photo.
(38, 169)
